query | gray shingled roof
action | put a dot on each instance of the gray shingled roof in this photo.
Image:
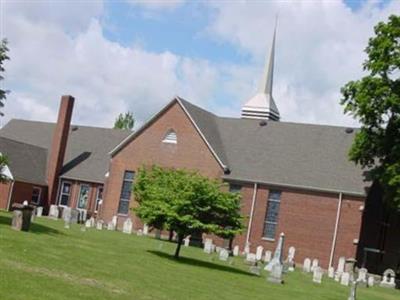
(281, 153)
(26, 162)
(87, 155)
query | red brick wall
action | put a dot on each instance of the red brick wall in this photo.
(23, 191)
(308, 220)
(190, 152)
(4, 194)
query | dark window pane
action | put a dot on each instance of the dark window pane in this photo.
(126, 190)
(66, 188)
(272, 211)
(235, 188)
(100, 193)
(269, 230)
(275, 195)
(64, 200)
(83, 197)
(129, 175)
(123, 207)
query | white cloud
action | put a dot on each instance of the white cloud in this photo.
(157, 4)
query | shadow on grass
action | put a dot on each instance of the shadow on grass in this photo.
(35, 228)
(199, 263)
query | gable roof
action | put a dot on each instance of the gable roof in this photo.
(86, 156)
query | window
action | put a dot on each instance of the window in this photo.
(126, 190)
(271, 216)
(170, 137)
(99, 197)
(83, 196)
(235, 188)
(36, 192)
(65, 193)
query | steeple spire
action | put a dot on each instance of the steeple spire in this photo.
(262, 105)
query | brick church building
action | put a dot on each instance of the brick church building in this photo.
(293, 178)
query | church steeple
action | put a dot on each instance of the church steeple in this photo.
(262, 105)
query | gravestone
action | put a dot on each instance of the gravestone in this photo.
(345, 278)
(275, 276)
(362, 277)
(207, 246)
(259, 252)
(277, 259)
(39, 211)
(337, 276)
(236, 250)
(139, 232)
(371, 281)
(290, 259)
(186, 241)
(353, 290)
(114, 222)
(110, 226)
(341, 263)
(145, 229)
(314, 264)
(88, 224)
(74, 215)
(317, 275)
(92, 222)
(331, 272)
(99, 225)
(388, 279)
(251, 258)
(127, 226)
(66, 216)
(267, 256)
(17, 220)
(53, 212)
(256, 270)
(307, 265)
(223, 255)
(246, 249)
(218, 249)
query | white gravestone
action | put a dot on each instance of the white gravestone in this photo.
(67, 217)
(317, 275)
(341, 264)
(290, 258)
(277, 259)
(208, 246)
(259, 252)
(218, 249)
(275, 276)
(362, 276)
(139, 232)
(145, 229)
(53, 212)
(267, 256)
(99, 225)
(246, 249)
(39, 211)
(251, 258)
(88, 224)
(110, 226)
(388, 279)
(236, 250)
(331, 272)
(337, 276)
(92, 222)
(307, 265)
(223, 255)
(371, 281)
(114, 221)
(127, 227)
(186, 241)
(314, 264)
(345, 279)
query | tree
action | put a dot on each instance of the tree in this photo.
(375, 101)
(3, 164)
(3, 57)
(125, 121)
(186, 203)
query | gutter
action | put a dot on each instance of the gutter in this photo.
(251, 213)
(340, 200)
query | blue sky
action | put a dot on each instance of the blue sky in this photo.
(115, 56)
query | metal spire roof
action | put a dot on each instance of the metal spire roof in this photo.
(262, 105)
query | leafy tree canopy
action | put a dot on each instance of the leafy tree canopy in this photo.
(375, 101)
(3, 164)
(3, 57)
(186, 203)
(125, 121)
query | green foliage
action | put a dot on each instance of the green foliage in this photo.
(375, 101)
(3, 164)
(125, 121)
(186, 202)
(3, 57)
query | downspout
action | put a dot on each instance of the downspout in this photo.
(251, 214)
(336, 229)
(10, 195)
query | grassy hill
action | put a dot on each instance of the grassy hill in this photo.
(51, 262)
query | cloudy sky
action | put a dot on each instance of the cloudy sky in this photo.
(115, 56)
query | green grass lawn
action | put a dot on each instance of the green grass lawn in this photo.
(51, 262)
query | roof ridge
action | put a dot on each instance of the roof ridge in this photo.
(23, 143)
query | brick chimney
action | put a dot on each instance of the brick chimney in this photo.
(58, 147)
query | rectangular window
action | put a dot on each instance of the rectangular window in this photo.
(99, 197)
(65, 193)
(126, 191)
(83, 196)
(235, 188)
(271, 216)
(36, 192)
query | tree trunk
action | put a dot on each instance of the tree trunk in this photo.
(171, 235)
(178, 247)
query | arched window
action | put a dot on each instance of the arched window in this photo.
(170, 137)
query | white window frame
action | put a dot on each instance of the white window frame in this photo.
(39, 196)
(96, 205)
(61, 193)
(168, 140)
(79, 196)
